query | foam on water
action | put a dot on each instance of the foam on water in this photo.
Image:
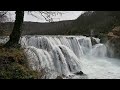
(101, 68)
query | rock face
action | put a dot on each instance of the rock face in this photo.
(93, 41)
(114, 41)
(59, 77)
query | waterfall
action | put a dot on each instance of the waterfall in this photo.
(66, 56)
(99, 50)
(60, 54)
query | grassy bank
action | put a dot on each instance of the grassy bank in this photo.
(13, 65)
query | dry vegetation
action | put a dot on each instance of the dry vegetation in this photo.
(13, 65)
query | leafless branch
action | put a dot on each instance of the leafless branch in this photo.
(3, 13)
(47, 15)
(29, 12)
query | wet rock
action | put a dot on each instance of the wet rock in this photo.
(79, 73)
(59, 77)
(93, 41)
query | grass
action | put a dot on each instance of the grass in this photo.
(13, 65)
(14, 55)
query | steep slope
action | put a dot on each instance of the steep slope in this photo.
(99, 22)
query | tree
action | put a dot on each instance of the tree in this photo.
(17, 29)
(16, 33)
(3, 18)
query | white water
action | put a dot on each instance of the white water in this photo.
(66, 55)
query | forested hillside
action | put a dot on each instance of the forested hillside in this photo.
(35, 28)
(97, 21)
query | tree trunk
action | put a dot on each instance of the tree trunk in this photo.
(17, 30)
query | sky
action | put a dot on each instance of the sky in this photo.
(67, 15)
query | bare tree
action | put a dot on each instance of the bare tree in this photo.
(47, 15)
(3, 18)
(16, 33)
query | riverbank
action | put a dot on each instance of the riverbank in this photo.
(13, 65)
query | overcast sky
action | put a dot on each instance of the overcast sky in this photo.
(68, 15)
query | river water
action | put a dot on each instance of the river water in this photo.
(66, 55)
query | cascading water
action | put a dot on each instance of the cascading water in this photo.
(56, 53)
(98, 50)
(67, 55)
(61, 54)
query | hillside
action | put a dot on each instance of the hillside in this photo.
(100, 22)
(36, 28)
(97, 22)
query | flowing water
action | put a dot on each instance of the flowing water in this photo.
(67, 55)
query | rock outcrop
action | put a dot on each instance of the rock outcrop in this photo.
(93, 41)
(114, 41)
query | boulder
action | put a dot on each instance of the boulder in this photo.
(59, 77)
(93, 41)
(79, 73)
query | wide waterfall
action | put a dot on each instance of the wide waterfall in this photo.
(66, 56)
(61, 55)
